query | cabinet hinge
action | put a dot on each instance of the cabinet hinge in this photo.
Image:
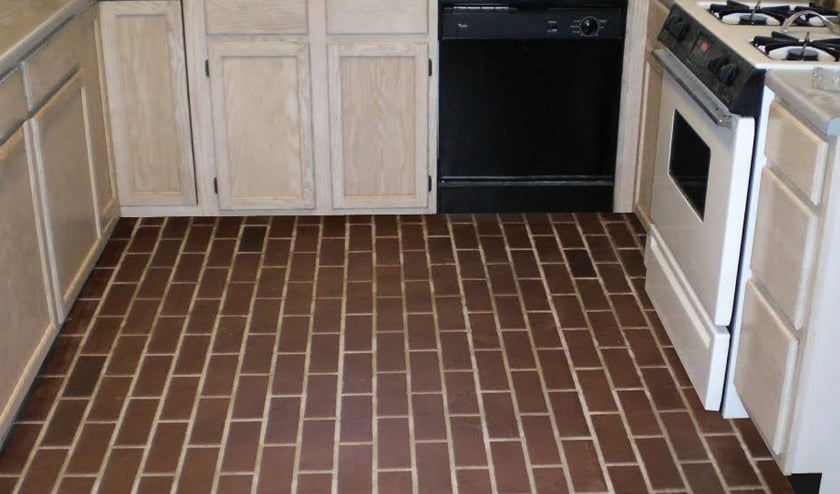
(430, 183)
(207, 67)
(216, 185)
(430, 67)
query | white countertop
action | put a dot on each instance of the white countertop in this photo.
(25, 23)
(817, 107)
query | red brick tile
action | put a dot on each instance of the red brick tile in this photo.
(460, 392)
(425, 372)
(418, 296)
(491, 371)
(639, 413)
(470, 264)
(613, 278)
(484, 331)
(90, 451)
(621, 368)
(539, 437)
(120, 470)
(298, 299)
(233, 484)
(569, 312)
(321, 396)
(628, 479)
(644, 347)
(240, 453)
(166, 447)
(660, 466)
(582, 348)
(265, 316)
(323, 355)
(178, 298)
(391, 394)
(544, 330)
(358, 373)
(61, 355)
(393, 443)
(101, 335)
(208, 426)
(389, 314)
(180, 398)
(250, 397)
(64, 423)
(276, 470)
(474, 481)
(684, 437)
(568, 414)
(153, 376)
(109, 398)
(524, 263)
(732, 461)
(192, 355)
(752, 439)
(258, 353)
(85, 375)
(429, 423)
(596, 390)
(67, 485)
(316, 451)
(197, 473)
(584, 468)
(529, 392)
(433, 471)
(356, 419)
(394, 482)
(773, 477)
(390, 352)
(355, 465)
(468, 441)
(220, 375)
(421, 332)
(601, 248)
(41, 398)
(605, 329)
(450, 313)
(455, 351)
(550, 481)
(288, 372)
(117, 300)
(702, 477)
(627, 309)
(509, 463)
(358, 332)
(500, 416)
(282, 422)
(613, 438)
(202, 320)
(556, 370)
(519, 351)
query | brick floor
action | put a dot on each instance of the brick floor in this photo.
(392, 354)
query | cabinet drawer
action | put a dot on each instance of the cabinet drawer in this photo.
(377, 16)
(765, 367)
(256, 16)
(12, 103)
(784, 250)
(796, 151)
(45, 69)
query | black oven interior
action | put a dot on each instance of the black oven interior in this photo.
(689, 163)
(529, 106)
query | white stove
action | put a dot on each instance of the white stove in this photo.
(713, 111)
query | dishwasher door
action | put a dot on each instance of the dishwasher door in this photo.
(529, 109)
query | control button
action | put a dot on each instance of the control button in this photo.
(728, 73)
(716, 63)
(589, 26)
(677, 26)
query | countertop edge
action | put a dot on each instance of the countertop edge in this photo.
(22, 47)
(819, 108)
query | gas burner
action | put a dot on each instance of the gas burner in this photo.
(737, 13)
(780, 46)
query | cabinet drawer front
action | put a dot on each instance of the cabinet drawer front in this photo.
(52, 63)
(657, 12)
(256, 16)
(377, 16)
(785, 247)
(12, 103)
(765, 367)
(796, 151)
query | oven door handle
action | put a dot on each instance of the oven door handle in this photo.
(711, 105)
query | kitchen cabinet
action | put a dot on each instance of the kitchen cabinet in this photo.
(379, 123)
(145, 74)
(66, 190)
(649, 123)
(24, 303)
(106, 201)
(262, 122)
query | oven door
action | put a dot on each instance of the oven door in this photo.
(701, 178)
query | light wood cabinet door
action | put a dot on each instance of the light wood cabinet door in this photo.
(262, 124)
(66, 190)
(379, 124)
(24, 303)
(106, 203)
(648, 136)
(145, 73)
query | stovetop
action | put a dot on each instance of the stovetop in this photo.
(768, 14)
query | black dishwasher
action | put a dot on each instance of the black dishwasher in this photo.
(529, 105)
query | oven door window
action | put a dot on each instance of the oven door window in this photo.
(689, 165)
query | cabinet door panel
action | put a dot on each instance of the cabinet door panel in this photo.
(23, 291)
(145, 73)
(379, 124)
(262, 124)
(66, 190)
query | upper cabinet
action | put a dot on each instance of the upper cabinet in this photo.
(262, 122)
(379, 124)
(145, 72)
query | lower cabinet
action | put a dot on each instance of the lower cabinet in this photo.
(24, 302)
(379, 124)
(66, 190)
(145, 72)
(262, 124)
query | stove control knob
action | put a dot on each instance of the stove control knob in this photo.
(728, 73)
(677, 26)
(589, 26)
(716, 63)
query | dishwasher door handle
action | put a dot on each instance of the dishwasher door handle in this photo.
(711, 104)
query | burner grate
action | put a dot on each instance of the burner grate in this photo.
(781, 46)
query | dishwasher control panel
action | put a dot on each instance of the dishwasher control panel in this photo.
(505, 22)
